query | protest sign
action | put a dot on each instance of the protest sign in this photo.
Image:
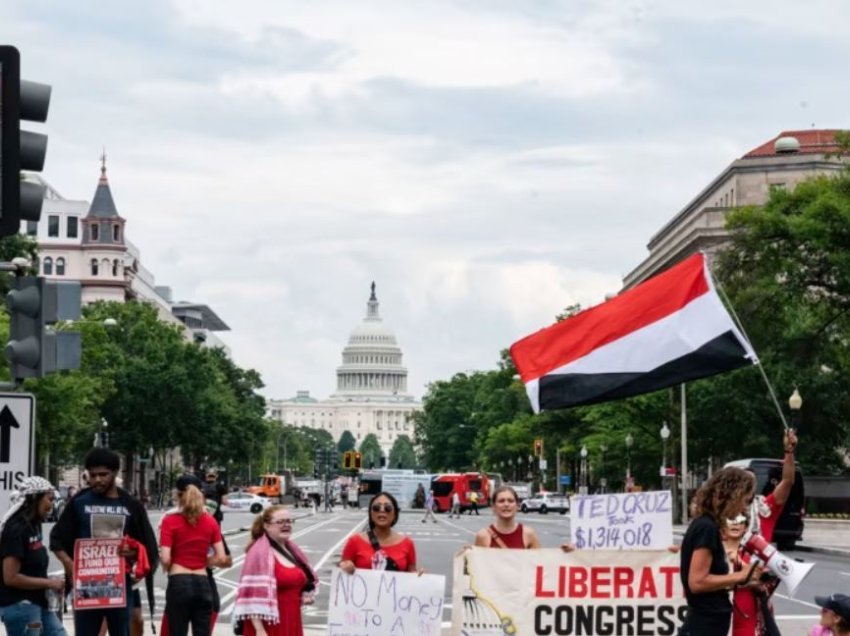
(384, 603)
(546, 592)
(633, 521)
(99, 574)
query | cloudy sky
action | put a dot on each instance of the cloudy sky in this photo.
(486, 163)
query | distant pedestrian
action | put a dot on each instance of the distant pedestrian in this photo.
(429, 507)
(215, 495)
(455, 511)
(473, 503)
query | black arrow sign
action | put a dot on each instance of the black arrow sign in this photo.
(7, 423)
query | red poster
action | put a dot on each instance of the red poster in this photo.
(99, 574)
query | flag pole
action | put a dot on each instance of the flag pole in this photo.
(740, 326)
(684, 471)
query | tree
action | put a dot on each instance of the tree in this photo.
(370, 448)
(347, 442)
(402, 454)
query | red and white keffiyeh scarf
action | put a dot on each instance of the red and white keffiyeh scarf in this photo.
(256, 596)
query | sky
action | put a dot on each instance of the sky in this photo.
(487, 164)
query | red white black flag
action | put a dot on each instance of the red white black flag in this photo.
(669, 329)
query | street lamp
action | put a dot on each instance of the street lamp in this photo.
(603, 482)
(629, 441)
(665, 435)
(583, 454)
(104, 433)
(795, 403)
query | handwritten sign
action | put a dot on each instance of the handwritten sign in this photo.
(498, 592)
(99, 574)
(631, 521)
(382, 603)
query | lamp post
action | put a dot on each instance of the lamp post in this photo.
(665, 435)
(629, 441)
(583, 454)
(104, 433)
(795, 403)
(285, 442)
(603, 482)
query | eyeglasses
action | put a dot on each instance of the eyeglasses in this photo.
(280, 522)
(382, 507)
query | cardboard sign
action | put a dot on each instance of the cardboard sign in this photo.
(548, 591)
(384, 603)
(100, 579)
(631, 521)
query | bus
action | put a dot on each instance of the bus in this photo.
(462, 484)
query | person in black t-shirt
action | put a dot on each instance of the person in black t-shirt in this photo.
(215, 491)
(23, 575)
(705, 571)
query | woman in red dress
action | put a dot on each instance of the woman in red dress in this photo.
(276, 579)
(381, 547)
(506, 531)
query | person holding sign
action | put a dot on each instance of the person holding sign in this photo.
(704, 568)
(276, 579)
(24, 585)
(381, 547)
(506, 531)
(186, 538)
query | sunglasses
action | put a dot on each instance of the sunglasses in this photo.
(281, 522)
(736, 520)
(382, 507)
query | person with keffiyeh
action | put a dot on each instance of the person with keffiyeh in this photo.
(24, 581)
(276, 580)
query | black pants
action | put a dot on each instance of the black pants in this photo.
(708, 623)
(189, 601)
(473, 508)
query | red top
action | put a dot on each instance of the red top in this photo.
(289, 584)
(360, 551)
(511, 539)
(189, 544)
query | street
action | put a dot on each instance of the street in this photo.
(323, 535)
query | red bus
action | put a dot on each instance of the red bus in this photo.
(462, 484)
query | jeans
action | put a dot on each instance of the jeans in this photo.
(28, 619)
(189, 601)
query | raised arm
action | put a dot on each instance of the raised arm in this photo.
(783, 488)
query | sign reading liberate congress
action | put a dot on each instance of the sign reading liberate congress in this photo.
(552, 593)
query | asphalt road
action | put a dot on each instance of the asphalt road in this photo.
(322, 536)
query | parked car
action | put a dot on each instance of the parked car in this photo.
(246, 502)
(543, 502)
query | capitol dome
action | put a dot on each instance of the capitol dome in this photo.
(372, 361)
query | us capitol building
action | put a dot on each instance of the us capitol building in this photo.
(371, 389)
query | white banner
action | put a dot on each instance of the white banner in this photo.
(631, 521)
(546, 592)
(382, 603)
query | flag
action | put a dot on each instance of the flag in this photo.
(669, 329)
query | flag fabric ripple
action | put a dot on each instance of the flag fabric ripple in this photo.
(669, 329)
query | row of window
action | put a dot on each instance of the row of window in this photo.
(47, 266)
(372, 360)
(72, 228)
(96, 266)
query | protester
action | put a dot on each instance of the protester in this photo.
(753, 615)
(100, 511)
(276, 578)
(506, 531)
(455, 510)
(429, 507)
(24, 583)
(381, 547)
(704, 568)
(186, 538)
(215, 494)
(834, 616)
(473, 501)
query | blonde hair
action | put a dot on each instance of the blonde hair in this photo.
(191, 504)
(257, 528)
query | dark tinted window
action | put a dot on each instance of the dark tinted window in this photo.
(72, 227)
(52, 225)
(442, 488)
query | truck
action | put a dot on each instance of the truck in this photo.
(444, 486)
(279, 487)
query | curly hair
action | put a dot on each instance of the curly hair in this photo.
(720, 497)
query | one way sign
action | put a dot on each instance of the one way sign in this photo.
(17, 442)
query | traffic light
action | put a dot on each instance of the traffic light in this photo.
(538, 448)
(19, 149)
(358, 460)
(35, 348)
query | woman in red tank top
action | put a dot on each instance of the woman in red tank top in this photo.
(506, 531)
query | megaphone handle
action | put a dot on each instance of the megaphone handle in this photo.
(753, 565)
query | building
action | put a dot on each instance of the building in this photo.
(781, 162)
(371, 389)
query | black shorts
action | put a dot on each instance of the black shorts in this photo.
(136, 599)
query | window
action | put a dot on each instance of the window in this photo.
(95, 232)
(73, 222)
(47, 265)
(60, 266)
(116, 232)
(53, 225)
(115, 267)
(32, 228)
(94, 263)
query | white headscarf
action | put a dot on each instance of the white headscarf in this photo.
(29, 486)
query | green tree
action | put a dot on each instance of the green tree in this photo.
(402, 454)
(347, 442)
(370, 448)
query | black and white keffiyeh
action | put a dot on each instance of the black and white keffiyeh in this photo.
(28, 486)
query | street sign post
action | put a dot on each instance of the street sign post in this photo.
(17, 442)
